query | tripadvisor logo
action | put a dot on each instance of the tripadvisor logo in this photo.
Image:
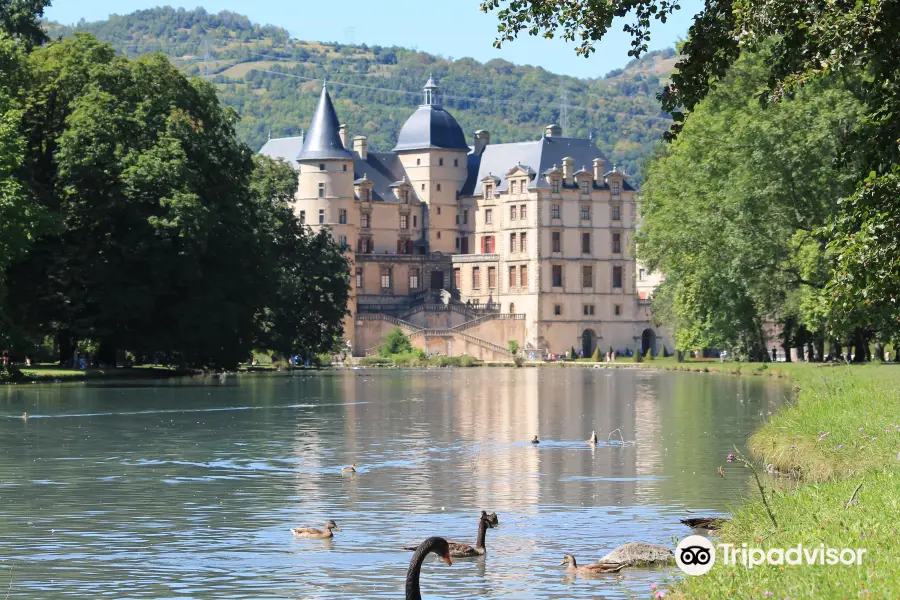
(695, 555)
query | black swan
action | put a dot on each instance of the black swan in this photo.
(437, 545)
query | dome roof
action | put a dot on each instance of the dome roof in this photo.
(431, 127)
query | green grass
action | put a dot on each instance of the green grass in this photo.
(415, 359)
(842, 431)
(54, 373)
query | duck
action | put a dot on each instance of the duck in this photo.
(316, 534)
(460, 550)
(350, 469)
(535, 440)
(593, 439)
(572, 566)
(439, 546)
(710, 524)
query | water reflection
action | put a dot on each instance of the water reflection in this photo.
(188, 491)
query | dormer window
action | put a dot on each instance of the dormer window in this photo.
(365, 195)
(614, 188)
(488, 190)
(404, 196)
(554, 185)
(585, 187)
(321, 166)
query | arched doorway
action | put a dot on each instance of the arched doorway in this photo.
(588, 340)
(648, 341)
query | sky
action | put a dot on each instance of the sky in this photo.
(449, 28)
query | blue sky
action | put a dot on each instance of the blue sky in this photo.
(425, 25)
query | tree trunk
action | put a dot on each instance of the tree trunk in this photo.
(879, 351)
(786, 340)
(835, 351)
(66, 345)
(106, 354)
(859, 341)
(820, 348)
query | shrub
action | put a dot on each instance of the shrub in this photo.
(374, 361)
(519, 360)
(665, 352)
(572, 354)
(396, 342)
(596, 356)
(637, 355)
(9, 373)
(513, 346)
(649, 354)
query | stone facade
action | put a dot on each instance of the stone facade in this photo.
(541, 230)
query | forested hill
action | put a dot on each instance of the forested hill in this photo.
(376, 88)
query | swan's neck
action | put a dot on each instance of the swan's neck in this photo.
(482, 531)
(412, 575)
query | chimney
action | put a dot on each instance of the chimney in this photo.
(553, 130)
(598, 169)
(343, 133)
(361, 146)
(482, 139)
(568, 171)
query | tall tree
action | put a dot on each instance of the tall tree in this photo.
(731, 210)
(20, 19)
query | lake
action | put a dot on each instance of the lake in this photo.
(188, 488)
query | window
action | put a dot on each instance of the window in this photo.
(554, 185)
(457, 242)
(617, 243)
(440, 162)
(342, 240)
(404, 222)
(365, 195)
(617, 309)
(413, 279)
(523, 277)
(418, 161)
(365, 220)
(554, 211)
(512, 242)
(512, 186)
(488, 216)
(345, 167)
(321, 190)
(585, 213)
(512, 213)
(438, 210)
(476, 278)
(457, 278)
(455, 162)
(492, 277)
(641, 274)
(487, 244)
(488, 189)
(585, 187)
(557, 309)
(614, 187)
(438, 187)
(617, 278)
(557, 275)
(385, 278)
(588, 310)
(415, 221)
(587, 277)
(303, 217)
(321, 166)
(342, 216)
(404, 196)
(512, 278)
(321, 216)
(423, 187)
(359, 279)
(522, 212)
(585, 243)
(438, 235)
(616, 212)
(523, 245)
(465, 216)
(555, 243)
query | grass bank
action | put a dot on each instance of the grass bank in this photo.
(46, 373)
(841, 439)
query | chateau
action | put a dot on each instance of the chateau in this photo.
(467, 247)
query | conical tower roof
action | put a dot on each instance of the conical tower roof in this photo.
(323, 139)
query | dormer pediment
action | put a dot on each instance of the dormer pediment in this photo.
(520, 169)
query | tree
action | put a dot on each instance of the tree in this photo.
(809, 42)
(513, 346)
(308, 296)
(396, 342)
(596, 355)
(731, 208)
(20, 19)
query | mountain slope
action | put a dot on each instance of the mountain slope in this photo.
(273, 80)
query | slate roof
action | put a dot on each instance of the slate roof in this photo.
(323, 139)
(540, 155)
(382, 169)
(431, 127)
(286, 148)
